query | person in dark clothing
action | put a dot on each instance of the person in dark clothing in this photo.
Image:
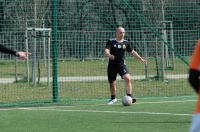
(22, 55)
(115, 51)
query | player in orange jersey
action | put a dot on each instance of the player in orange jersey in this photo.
(194, 80)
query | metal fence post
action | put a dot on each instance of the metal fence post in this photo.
(54, 51)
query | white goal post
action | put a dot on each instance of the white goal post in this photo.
(167, 53)
(46, 47)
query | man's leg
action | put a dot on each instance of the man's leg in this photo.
(112, 74)
(194, 81)
(195, 125)
(113, 89)
(127, 79)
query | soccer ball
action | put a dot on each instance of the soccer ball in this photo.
(127, 100)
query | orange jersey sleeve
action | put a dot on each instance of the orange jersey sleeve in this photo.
(195, 60)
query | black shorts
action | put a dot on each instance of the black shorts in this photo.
(113, 70)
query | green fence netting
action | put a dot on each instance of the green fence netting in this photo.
(67, 40)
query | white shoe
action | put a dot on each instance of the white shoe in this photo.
(111, 101)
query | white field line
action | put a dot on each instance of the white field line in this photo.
(113, 112)
(161, 102)
(75, 106)
(58, 108)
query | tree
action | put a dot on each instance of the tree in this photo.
(20, 12)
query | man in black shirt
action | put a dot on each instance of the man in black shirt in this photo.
(115, 51)
(22, 55)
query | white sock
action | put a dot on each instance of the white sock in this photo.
(195, 125)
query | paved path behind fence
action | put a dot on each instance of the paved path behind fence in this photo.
(93, 78)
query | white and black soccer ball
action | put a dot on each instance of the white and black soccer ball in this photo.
(127, 100)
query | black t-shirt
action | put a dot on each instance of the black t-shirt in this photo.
(118, 50)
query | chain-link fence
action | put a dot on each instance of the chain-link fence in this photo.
(67, 40)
